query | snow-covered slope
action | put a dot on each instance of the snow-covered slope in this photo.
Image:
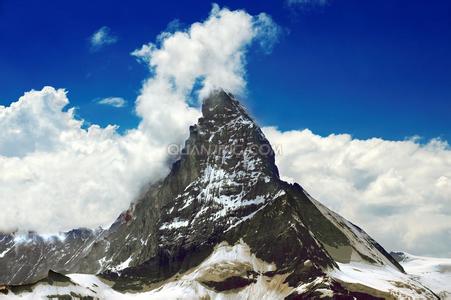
(235, 269)
(385, 279)
(203, 282)
(435, 273)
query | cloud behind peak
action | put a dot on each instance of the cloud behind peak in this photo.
(57, 174)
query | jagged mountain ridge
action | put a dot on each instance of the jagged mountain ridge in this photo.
(230, 193)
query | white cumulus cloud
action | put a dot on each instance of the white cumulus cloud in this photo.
(399, 191)
(113, 101)
(211, 53)
(56, 175)
(102, 37)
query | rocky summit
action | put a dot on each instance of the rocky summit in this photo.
(221, 224)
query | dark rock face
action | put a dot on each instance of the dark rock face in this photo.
(224, 187)
(399, 256)
(231, 283)
(30, 258)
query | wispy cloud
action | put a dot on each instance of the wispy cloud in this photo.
(267, 32)
(102, 37)
(113, 101)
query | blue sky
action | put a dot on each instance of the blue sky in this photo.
(368, 68)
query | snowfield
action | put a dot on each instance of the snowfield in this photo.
(382, 278)
(435, 273)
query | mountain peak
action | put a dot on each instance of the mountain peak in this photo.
(227, 167)
(218, 100)
(227, 136)
(222, 210)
